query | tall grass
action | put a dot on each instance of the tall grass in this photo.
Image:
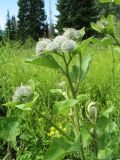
(98, 85)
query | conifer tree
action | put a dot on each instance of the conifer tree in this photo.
(32, 18)
(8, 27)
(77, 14)
(13, 31)
(23, 19)
(11, 28)
(37, 19)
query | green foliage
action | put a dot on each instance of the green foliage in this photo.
(113, 1)
(10, 129)
(22, 126)
(44, 60)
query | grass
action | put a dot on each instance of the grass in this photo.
(98, 85)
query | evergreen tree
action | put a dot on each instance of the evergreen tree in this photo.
(110, 8)
(8, 27)
(23, 19)
(13, 31)
(77, 14)
(37, 19)
(11, 28)
(31, 19)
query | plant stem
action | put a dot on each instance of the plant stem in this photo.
(55, 126)
(74, 93)
(113, 68)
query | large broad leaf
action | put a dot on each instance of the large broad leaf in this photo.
(74, 73)
(61, 147)
(63, 107)
(44, 60)
(9, 129)
(58, 149)
(85, 66)
(111, 27)
(105, 154)
(85, 136)
(82, 45)
(101, 125)
(107, 112)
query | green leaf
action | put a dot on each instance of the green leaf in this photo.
(106, 1)
(74, 73)
(111, 127)
(105, 154)
(9, 129)
(96, 27)
(58, 149)
(107, 40)
(85, 136)
(117, 2)
(107, 112)
(101, 125)
(58, 91)
(26, 106)
(10, 104)
(63, 107)
(82, 32)
(82, 45)
(111, 27)
(44, 60)
(117, 49)
(85, 66)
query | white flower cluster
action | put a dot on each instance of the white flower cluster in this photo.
(61, 43)
(72, 33)
(41, 45)
(22, 94)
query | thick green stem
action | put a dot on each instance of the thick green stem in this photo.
(75, 111)
(113, 69)
(55, 126)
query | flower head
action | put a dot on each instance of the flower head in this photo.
(60, 39)
(22, 94)
(53, 46)
(41, 45)
(68, 45)
(72, 33)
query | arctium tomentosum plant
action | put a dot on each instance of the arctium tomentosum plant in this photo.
(61, 53)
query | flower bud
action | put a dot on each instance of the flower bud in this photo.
(92, 111)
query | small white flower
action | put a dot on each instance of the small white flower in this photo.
(60, 39)
(68, 45)
(53, 46)
(41, 45)
(72, 33)
(22, 93)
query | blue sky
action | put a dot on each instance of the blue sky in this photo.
(11, 5)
